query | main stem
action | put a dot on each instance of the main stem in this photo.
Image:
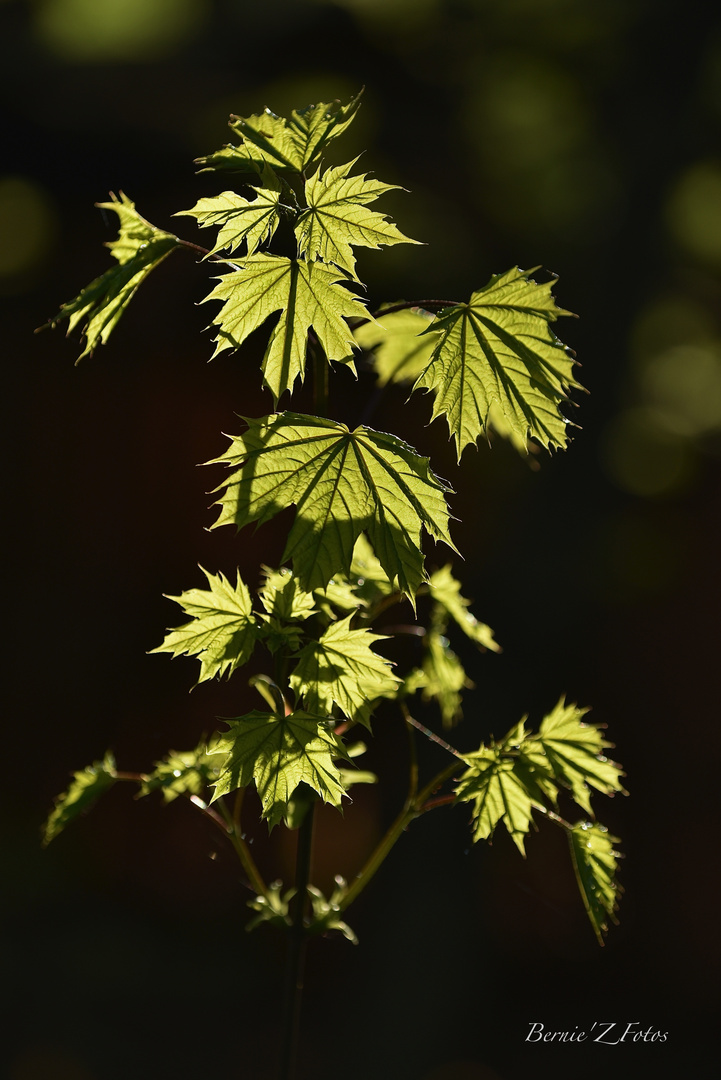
(297, 942)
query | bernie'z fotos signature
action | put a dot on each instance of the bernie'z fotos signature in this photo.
(608, 1033)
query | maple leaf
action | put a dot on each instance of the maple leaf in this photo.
(278, 753)
(402, 343)
(308, 294)
(498, 794)
(595, 863)
(222, 631)
(139, 248)
(341, 669)
(283, 597)
(441, 677)
(238, 219)
(499, 349)
(86, 788)
(189, 772)
(293, 144)
(573, 753)
(337, 218)
(286, 605)
(343, 483)
(446, 591)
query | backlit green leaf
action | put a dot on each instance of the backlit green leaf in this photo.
(574, 752)
(402, 342)
(441, 678)
(309, 296)
(326, 912)
(190, 772)
(499, 349)
(446, 591)
(278, 753)
(341, 669)
(87, 787)
(337, 217)
(222, 630)
(238, 219)
(369, 580)
(283, 597)
(293, 144)
(497, 793)
(342, 482)
(139, 248)
(595, 862)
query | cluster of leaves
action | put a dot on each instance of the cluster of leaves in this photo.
(508, 779)
(362, 499)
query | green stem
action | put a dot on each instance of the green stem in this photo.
(243, 852)
(206, 253)
(412, 809)
(297, 944)
(229, 825)
(426, 305)
(429, 734)
(556, 818)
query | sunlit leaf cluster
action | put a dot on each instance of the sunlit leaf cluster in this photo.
(510, 778)
(319, 634)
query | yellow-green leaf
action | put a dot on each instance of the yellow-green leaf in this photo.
(574, 752)
(341, 669)
(222, 631)
(87, 787)
(337, 217)
(238, 219)
(595, 862)
(189, 772)
(278, 753)
(497, 793)
(446, 591)
(343, 483)
(499, 350)
(308, 295)
(441, 678)
(402, 343)
(283, 597)
(139, 248)
(288, 145)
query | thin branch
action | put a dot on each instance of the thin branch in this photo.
(199, 804)
(430, 734)
(208, 256)
(401, 823)
(412, 765)
(427, 305)
(297, 943)
(442, 800)
(243, 853)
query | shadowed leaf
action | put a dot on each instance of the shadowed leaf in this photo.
(87, 787)
(278, 753)
(341, 669)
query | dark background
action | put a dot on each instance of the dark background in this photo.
(578, 135)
